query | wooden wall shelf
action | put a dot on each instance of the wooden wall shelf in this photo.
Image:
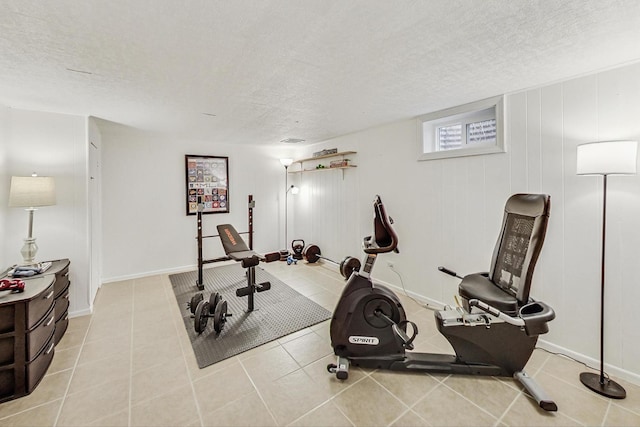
(326, 156)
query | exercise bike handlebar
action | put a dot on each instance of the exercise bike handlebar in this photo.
(515, 321)
(445, 270)
(385, 238)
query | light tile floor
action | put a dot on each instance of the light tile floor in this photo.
(131, 364)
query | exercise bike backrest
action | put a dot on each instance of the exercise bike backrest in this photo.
(519, 244)
(385, 238)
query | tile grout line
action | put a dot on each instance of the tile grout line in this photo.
(470, 401)
(329, 400)
(410, 409)
(133, 313)
(75, 365)
(255, 387)
(407, 407)
(606, 415)
(178, 329)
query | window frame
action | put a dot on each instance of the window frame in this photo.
(428, 124)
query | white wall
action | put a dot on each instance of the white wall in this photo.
(146, 230)
(50, 145)
(447, 212)
(4, 177)
(94, 207)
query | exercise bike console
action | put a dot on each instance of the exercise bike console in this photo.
(493, 333)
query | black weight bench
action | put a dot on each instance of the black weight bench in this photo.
(237, 250)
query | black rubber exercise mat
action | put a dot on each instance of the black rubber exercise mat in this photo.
(278, 312)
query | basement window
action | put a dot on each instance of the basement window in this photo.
(467, 130)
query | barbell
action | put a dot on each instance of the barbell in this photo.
(202, 310)
(348, 265)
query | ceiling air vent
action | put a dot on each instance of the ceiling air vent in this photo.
(292, 140)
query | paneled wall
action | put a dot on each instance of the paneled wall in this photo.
(145, 228)
(448, 212)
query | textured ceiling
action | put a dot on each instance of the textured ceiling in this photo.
(252, 71)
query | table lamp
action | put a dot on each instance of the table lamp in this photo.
(31, 192)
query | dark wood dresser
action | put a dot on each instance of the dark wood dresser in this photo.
(31, 324)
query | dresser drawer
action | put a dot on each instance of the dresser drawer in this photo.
(62, 281)
(7, 318)
(62, 304)
(7, 382)
(28, 330)
(61, 327)
(7, 349)
(38, 367)
(40, 334)
(39, 306)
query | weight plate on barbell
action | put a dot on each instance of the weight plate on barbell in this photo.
(201, 316)
(214, 299)
(194, 302)
(311, 253)
(220, 316)
(348, 266)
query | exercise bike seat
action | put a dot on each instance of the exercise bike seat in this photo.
(479, 286)
(508, 283)
(233, 245)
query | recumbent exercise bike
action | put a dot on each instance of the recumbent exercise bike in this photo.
(495, 331)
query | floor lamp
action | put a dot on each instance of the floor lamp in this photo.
(605, 158)
(286, 163)
(31, 192)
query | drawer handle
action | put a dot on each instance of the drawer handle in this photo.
(66, 316)
(50, 321)
(49, 295)
(66, 296)
(50, 348)
(66, 274)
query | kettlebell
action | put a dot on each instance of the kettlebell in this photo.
(297, 246)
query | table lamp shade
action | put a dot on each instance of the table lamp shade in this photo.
(32, 191)
(607, 158)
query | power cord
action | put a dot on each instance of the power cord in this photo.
(574, 359)
(404, 290)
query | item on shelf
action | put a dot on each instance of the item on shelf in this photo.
(320, 166)
(325, 152)
(339, 163)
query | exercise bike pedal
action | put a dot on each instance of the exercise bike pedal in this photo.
(397, 328)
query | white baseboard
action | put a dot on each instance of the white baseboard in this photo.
(79, 313)
(173, 270)
(149, 273)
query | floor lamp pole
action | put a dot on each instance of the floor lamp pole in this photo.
(599, 383)
(286, 204)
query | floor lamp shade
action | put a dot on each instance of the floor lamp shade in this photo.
(605, 158)
(286, 162)
(31, 192)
